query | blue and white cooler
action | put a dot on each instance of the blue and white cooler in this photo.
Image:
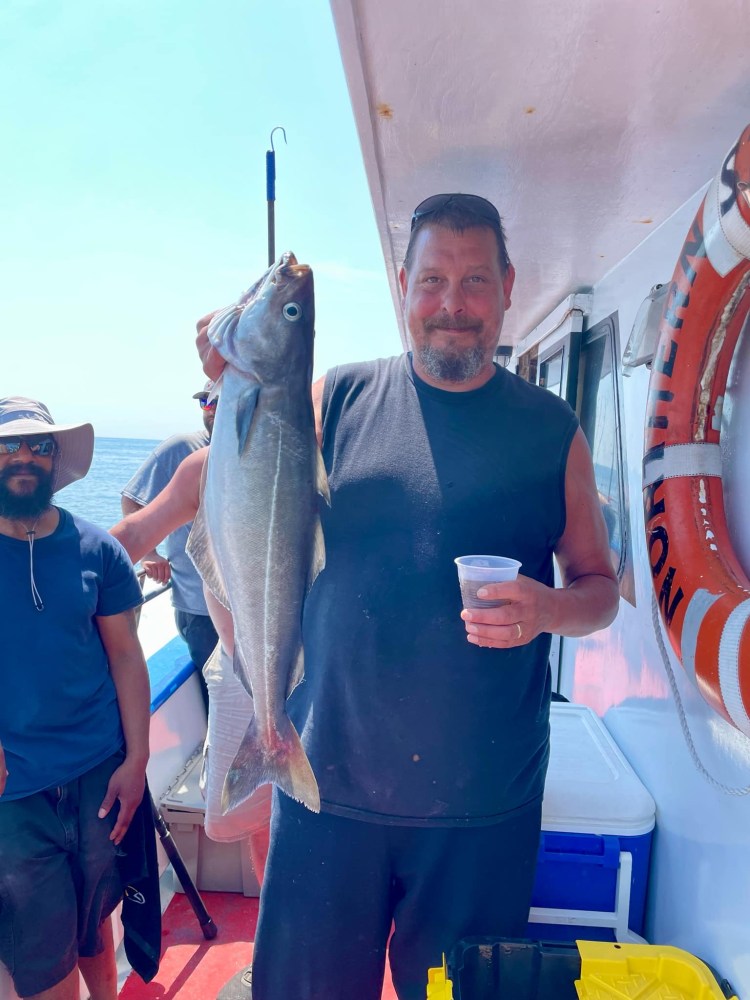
(597, 825)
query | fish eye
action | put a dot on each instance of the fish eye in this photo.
(292, 312)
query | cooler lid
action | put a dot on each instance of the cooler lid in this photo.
(590, 787)
(184, 795)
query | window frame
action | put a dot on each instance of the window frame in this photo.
(609, 328)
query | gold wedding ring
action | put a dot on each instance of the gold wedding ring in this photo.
(520, 633)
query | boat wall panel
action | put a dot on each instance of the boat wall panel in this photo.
(177, 728)
(700, 879)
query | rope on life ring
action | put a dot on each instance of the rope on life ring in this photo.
(702, 590)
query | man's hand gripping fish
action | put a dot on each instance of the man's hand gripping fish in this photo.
(257, 540)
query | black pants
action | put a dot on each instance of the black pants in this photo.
(200, 635)
(334, 888)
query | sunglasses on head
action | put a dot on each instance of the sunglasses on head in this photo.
(437, 202)
(206, 405)
(43, 446)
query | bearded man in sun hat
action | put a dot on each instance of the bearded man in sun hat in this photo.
(74, 713)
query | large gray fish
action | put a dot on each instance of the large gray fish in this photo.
(257, 540)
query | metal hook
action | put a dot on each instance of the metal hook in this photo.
(283, 130)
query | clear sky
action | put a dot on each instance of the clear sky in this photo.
(133, 200)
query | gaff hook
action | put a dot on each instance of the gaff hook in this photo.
(271, 193)
(277, 129)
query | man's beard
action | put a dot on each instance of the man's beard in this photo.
(452, 363)
(17, 506)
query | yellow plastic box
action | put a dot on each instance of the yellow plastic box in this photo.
(648, 972)
(499, 969)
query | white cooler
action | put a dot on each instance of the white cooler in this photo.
(213, 866)
(597, 825)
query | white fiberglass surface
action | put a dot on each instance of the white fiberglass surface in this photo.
(700, 873)
(156, 626)
(178, 725)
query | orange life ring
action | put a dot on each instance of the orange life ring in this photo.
(702, 591)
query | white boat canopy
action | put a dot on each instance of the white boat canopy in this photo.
(588, 123)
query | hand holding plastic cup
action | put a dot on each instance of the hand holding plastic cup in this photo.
(475, 571)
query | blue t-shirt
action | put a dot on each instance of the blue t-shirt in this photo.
(58, 707)
(145, 485)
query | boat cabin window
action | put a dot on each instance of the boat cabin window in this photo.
(551, 372)
(554, 366)
(582, 368)
(528, 365)
(600, 417)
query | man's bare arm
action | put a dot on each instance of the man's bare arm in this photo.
(177, 504)
(130, 506)
(130, 676)
(589, 597)
(155, 566)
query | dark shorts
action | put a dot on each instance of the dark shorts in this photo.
(58, 878)
(334, 887)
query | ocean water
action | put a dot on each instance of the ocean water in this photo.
(97, 496)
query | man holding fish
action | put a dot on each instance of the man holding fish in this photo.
(426, 727)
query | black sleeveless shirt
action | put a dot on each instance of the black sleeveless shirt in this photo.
(404, 720)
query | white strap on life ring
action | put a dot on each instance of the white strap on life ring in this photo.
(726, 235)
(682, 460)
(729, 651)
(700, 603)
(729, 666)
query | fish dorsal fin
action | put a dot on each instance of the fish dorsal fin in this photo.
(246, 404)
(321, 478)
(318, 560)
(201, 551)
(298, 671)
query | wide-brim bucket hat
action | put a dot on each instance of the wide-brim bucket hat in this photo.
(21, 417)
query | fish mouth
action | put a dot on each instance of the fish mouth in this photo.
(290, 267)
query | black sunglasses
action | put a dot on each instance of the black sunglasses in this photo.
(437, 202)
(44, 446)
(205, 405)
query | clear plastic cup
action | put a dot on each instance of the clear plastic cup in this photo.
(475, 571)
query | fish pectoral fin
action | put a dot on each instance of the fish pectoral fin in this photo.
(282, 761)
(298, 671)
(240, 670)
(246, 404)
(318, 560)
(321, 478)
(201, 551)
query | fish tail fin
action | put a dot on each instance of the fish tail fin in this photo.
(279, 759)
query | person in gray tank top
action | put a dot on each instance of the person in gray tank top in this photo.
(427, 726)
(147, 482)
